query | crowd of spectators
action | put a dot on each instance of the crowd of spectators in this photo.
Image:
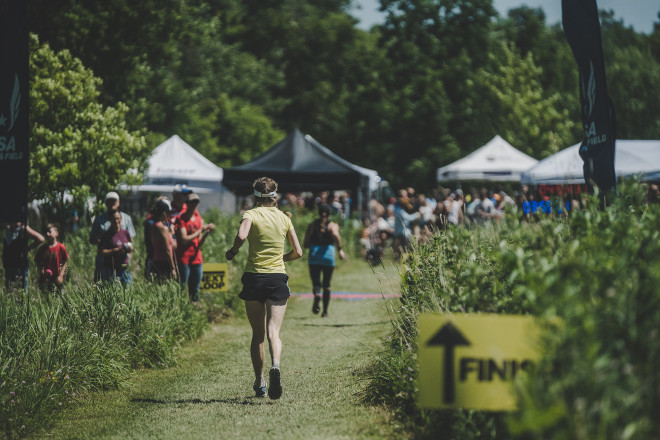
(392, 223)
(173, 234)
(395, 222)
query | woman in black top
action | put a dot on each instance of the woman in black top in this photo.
(322, 239)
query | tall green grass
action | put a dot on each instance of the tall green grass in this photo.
(55, 348)
(597, 270)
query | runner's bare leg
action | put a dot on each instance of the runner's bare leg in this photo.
(275, 316)
(256, 312)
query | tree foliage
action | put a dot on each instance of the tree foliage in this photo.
(521, 113)
(435, 81)
(78, 145)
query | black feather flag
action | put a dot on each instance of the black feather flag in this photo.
(582, 29)
(14, 106)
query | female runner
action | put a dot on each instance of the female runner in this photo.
(265, 288)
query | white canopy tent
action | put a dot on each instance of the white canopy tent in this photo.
(631, 158)
(175, 162)
(497, 161)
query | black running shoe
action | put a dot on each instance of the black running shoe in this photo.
(315, 307)
(275, 388)
(259, 391)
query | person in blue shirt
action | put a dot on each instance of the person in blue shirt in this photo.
(323, 241)
(402, 230)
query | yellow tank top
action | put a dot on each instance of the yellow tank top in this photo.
(266, 239)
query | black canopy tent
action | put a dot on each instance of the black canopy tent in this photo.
(300, 163)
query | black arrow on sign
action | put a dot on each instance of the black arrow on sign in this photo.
(449, 337)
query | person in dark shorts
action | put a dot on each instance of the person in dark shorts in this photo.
(265, 289)
(322, 239)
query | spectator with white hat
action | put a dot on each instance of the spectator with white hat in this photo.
(102, 224)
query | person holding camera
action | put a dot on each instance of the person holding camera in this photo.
(116, 246)
(15, 253)
(190, 235)
(102, 224)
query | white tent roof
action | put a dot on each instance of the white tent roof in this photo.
(175, 160)
(497, 160)
(631, 157)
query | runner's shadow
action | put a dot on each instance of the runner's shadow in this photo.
(231, 401)
(345, 325)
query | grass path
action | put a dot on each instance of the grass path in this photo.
(209, 393)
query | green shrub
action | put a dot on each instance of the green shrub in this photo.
(597, 270)
(600, 379)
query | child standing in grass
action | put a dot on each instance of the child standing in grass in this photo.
(51, 259)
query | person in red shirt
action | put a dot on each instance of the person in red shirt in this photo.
(51, 259)
(190, 234)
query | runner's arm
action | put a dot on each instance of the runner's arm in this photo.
(296, 251)
(34, 234)
(243, 231)
(334, 229)
(38, 238)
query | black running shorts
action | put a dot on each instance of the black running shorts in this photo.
(264, 286)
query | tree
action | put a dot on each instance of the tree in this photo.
(433, 48)
(78, 146)
(168, 61)
(633, 79)
(235, 131)
(519, 111)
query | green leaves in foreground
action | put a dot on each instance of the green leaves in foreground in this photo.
(598, 271)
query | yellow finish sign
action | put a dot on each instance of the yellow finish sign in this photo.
(472, 361)
(214, 277)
